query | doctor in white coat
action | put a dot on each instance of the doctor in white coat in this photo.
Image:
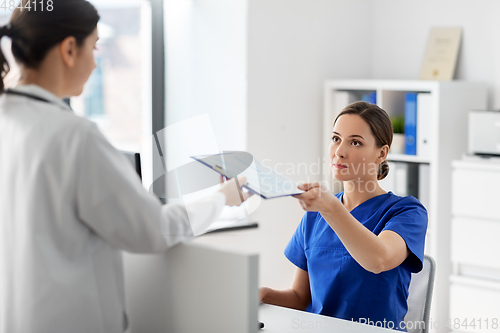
(69, 201)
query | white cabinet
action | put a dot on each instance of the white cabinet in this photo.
(474, 240)
(446, 126)
(475, 187)
(481, 313)
(475, 279)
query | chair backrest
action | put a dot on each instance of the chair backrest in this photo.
(420, 297)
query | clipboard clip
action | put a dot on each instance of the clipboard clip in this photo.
(221, 171)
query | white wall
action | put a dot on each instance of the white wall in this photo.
(401, 29)
(293, 46)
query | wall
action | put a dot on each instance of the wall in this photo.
(400, 36)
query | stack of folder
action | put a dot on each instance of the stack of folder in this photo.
(418, 110)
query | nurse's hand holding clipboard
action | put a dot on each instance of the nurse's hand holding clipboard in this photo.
(317, 198)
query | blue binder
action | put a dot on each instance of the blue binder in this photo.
(411, 123)
(370, 98)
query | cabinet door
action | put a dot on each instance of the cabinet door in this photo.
(475, 242)
(474, 309)
(476, 193)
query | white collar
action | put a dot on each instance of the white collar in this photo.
(38, 91)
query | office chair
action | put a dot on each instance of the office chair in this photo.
(420, 297)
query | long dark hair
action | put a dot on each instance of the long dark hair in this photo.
(380, 124)
(35, 32)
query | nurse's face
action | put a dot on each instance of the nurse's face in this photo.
(354, 154)
(85, 63)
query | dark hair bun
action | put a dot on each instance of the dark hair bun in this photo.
(383, 170)
(35, 32)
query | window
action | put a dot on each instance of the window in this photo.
(116, 94)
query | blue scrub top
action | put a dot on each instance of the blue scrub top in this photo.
(340, 287)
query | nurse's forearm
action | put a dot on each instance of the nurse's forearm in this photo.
(363, 245)
(286, 298)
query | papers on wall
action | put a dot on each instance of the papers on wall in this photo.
(441, 54)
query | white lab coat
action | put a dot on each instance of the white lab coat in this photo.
(69, 202)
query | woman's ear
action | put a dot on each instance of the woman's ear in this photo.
(384, 151)
(68, 51)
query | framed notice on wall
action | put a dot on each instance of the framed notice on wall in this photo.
(441, 54)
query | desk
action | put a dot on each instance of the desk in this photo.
(282, 320)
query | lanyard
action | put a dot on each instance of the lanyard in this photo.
(18, 93)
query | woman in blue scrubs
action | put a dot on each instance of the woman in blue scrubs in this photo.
(355, 250)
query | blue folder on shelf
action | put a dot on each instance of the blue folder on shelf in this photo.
(411, 123)
(370, 98)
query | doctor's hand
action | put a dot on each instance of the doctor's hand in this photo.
(235, 195)
(316, 198)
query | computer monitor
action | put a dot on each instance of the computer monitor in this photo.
(135, 159)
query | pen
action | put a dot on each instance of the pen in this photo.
(239, 188)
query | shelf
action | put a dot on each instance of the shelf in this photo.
(407, 158)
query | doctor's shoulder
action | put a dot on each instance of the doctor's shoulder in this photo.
(69, 122)
(65, 127)
(87, 129)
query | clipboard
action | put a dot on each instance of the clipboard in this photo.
(261, 180)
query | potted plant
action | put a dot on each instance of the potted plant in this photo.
(398, 139)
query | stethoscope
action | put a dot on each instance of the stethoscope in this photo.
(18, 93)
(38, 98)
